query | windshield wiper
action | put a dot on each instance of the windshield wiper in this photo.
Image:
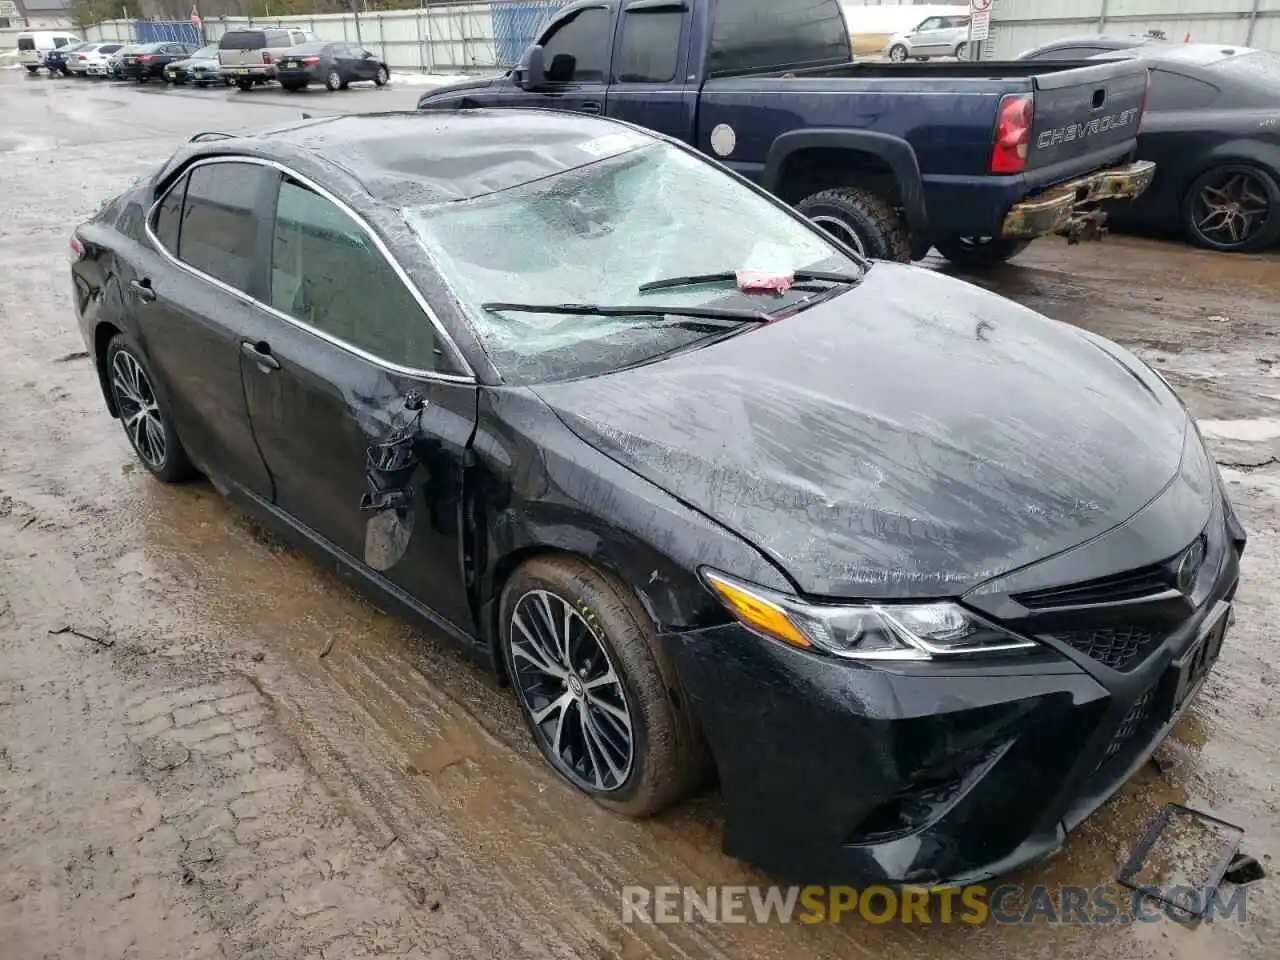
(800, 275)
(647, 310)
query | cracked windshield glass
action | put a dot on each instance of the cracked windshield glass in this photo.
(594, 236)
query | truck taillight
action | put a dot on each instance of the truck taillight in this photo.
(312, 60)
(1013, 133)
(75, 252)
(266, 57)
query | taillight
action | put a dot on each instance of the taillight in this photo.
(76, 251)
(1146, 98)
(310, 59)
(1013, 133)
(144, 58)
(266, 57)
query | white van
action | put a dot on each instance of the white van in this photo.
(34, 45)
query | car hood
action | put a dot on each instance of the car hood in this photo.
(912, 437)
(451, 90)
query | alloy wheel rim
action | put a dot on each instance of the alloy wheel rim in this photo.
(568, 685)
(841, 231)
(1231, 210)
(333, 79)
(898, 53)
(139, 410)
(381, 75)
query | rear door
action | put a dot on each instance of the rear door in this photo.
(189, 294)
(361, 411)
(578, 50)
(241, 48)
(1086, 117)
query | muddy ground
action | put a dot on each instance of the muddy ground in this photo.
(190, 778)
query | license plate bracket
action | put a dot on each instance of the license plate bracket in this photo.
(1183, 854)
(1195, 663)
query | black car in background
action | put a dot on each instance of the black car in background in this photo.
(333, 64)
(704, 484)
(1213, 130)
(56, 60)
(201, 69)
(147, 61)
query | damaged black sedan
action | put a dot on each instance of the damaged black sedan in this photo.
(920, 574)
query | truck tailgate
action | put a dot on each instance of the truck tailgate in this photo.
(1084, 111)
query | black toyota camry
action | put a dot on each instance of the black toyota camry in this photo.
(922, 575)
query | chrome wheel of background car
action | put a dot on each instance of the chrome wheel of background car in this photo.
(841, 231)
(333, 80)
(898, 53)
(571, 690)
(962, 50)
(1231, 208)
(380, 78)
(139, 410)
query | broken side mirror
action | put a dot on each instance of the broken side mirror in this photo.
(533, 69)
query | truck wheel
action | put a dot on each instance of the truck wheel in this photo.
(860, 219)
(980, 251)
(244, 83)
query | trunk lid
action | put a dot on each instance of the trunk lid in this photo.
(1086, 111)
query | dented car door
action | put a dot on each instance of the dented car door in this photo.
(360, 417)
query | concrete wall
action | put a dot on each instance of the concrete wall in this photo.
(1017, 25)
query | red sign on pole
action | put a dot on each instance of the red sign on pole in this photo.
(195, 17)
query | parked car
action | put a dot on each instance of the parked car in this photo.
(92, 55)
(1212, 130)
(893, 159)
(55, 61)
(922, 622)
(333, 64)
(146, 61)
(1084, 46)
(104, 60)
(201, 69)
(249, 57)
(932, 37)
(35, 45)
(115, 62)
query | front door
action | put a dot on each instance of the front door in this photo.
(357, 405)
(927, 39)
(577, 53)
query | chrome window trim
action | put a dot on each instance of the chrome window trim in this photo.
(452, 348)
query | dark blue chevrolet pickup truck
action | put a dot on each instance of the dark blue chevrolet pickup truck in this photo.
(976, 159)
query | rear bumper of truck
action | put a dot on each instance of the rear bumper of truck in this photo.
(1070, 208)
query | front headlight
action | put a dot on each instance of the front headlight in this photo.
(881, 631)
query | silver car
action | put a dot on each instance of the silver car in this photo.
(250, 56)
(944, 36)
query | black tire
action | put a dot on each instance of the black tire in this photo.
(333, 81)
(292, 87)
(982, 252)
(380, 78)
(244, 83)
(962, 49)
(1261, 192)
(33, 69)
(898, 53)
(173, 466)
(669, 755)
(860, 219)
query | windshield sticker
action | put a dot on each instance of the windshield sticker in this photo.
(613, 143)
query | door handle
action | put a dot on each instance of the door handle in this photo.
(260, 353)
(588, 106)
(142, 289)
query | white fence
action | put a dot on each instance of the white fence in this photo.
(1017, 25)
(436, 39)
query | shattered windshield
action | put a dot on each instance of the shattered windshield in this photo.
(595, 235)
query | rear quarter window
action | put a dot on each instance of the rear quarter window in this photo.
(243, 40)
(762, 34)
(26, 43)
(279, 38)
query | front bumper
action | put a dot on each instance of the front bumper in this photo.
(934, 774)
(1070, 208)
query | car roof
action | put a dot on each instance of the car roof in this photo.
(1187, 54)
(419, 158)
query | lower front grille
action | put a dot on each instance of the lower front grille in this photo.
(1115, 647)
(1134, 720)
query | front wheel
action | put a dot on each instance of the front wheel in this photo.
(861, 219)
(980, 251)
(380, 78)
(898, 53)
(144, 413)
(1234, 208)
(583, 658)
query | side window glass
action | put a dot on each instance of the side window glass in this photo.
(577, 49)
(650, 46)
(219, 230)
(59, 41)
(168, 215)
(327, 273)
